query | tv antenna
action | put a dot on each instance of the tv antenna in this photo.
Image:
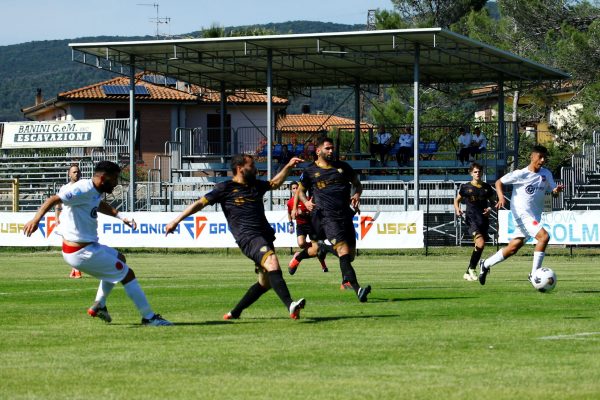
(158, 20)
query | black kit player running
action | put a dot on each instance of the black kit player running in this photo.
(241, 200)
(330, 183)
(478, 196)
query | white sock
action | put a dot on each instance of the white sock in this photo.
(136, 294)
(494, 259)
(104, 290)
(538, 258)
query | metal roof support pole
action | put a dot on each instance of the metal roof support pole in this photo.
(223, 112)
(269, 121)
(501, 126)
(416, 124)
(357, 117)
(132, 134)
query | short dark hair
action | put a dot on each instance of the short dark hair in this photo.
(74, 165)
(239, 160)
(107, 167)
(475, 165)
(461, 129)
(322, 140)
(293, 183)
(538, 148)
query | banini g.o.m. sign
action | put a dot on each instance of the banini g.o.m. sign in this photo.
(42, 134)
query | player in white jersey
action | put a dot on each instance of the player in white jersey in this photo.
(79, 228)
(530, 184)
(74, 175)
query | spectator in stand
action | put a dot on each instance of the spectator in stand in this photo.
(406, 142)
(478, 143)
(464, 146)
(382, 145)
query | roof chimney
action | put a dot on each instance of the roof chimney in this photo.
(38, 97)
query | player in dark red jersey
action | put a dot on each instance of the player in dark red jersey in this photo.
(241, 200)
(330, 182)
(479, 197)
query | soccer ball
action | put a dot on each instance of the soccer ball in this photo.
(543, 279)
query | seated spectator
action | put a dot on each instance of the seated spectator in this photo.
(382, 145)
(478, 143)
(406, 142)
(464, 146)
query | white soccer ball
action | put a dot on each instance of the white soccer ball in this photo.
(543, 279)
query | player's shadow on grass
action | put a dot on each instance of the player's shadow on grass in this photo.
(394, 299)
(586, 291)
(315, 320)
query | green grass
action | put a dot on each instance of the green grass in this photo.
(424, 334)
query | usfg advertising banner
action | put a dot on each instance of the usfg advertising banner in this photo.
(41, 134)
(386, 230)
(564, 227)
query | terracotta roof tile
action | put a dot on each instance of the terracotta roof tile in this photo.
(163, 93)
(315, 122)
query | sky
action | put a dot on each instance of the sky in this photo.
(33, 20)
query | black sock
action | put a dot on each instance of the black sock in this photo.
(303, 254)
(254, 292)
(279, 286)
(348, 274)
(475, 257)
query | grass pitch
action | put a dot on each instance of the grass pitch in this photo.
(424, 334)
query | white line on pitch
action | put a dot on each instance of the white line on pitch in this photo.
(581, 335)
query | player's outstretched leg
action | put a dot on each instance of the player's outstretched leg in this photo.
(349, 275)
(136, 294)
(98, 309)
(280, 287)
(254, 292)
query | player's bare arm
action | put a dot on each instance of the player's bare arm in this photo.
(500, 191)
(457, 209)
(302, 197)
(278, 179)
(191, 209)
(559, 188)
(107, 209)
(32, 225)
(355, 199)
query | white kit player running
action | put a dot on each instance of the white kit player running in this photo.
(530, 184)
(79, 228)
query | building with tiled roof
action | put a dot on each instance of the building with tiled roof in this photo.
(161, 106)
(315, 123)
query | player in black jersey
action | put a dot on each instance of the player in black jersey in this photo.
(479, 197)
(241, 200)
(330, 183)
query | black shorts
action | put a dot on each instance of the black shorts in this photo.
(478, 224)
(304, 229)
(338, 228)
(257, 249)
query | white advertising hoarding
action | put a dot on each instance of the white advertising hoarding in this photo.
(386, 230)
(564, 227)
(43, 134)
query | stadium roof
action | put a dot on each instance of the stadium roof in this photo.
(319, 59)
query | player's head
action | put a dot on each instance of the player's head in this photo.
(461, 130)
(74, 173)
(476, 170)
(243, 165)
(106, 176)
(539, 156)
(324, 148)
(294, 186)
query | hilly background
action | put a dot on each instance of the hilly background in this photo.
(47, 65)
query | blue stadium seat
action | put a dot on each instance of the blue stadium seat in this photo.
(299, 150)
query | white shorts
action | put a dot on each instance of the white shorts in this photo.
(526, 226)
(98, 260)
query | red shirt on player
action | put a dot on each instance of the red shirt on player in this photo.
(303, 215)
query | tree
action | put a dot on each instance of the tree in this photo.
(435, 13)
